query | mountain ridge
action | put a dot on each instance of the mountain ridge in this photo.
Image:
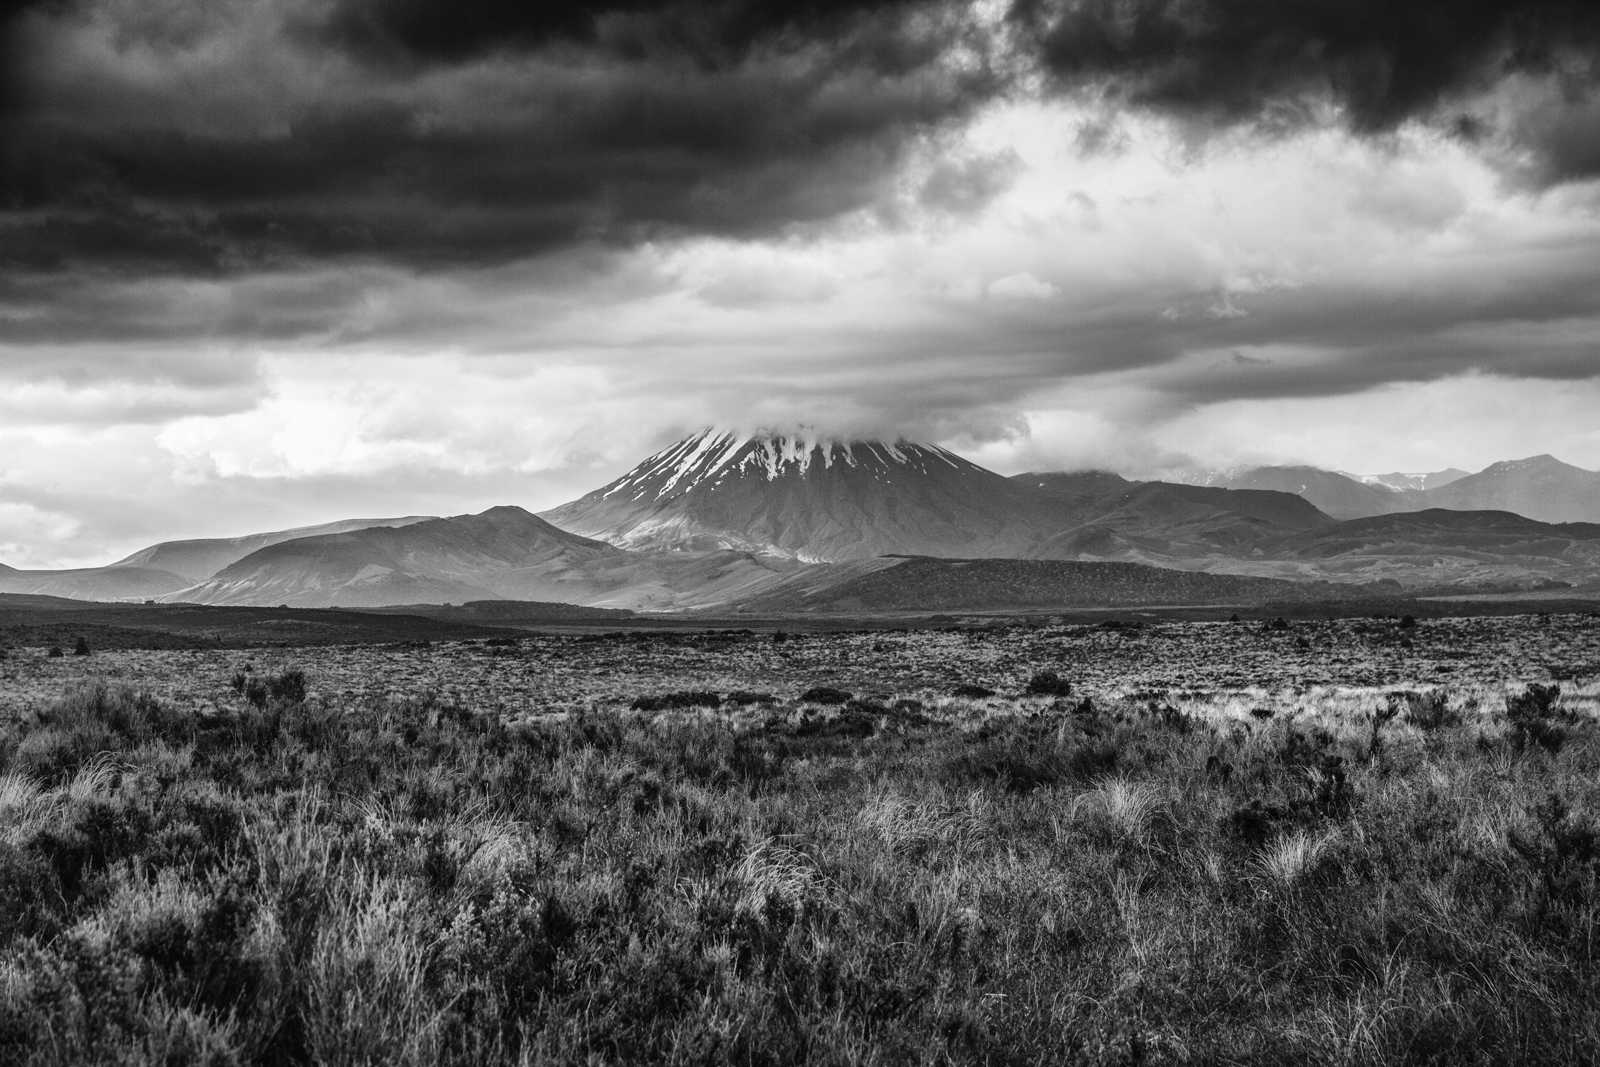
(1537, 487)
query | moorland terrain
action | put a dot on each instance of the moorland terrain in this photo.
(1342, 841)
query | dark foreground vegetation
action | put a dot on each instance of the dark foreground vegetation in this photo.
(1047, 878)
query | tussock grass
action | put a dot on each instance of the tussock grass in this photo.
(1116, 878)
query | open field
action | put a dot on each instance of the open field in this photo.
(1328, 842)
(518, 674)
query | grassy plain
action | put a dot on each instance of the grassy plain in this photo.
(1331, 842)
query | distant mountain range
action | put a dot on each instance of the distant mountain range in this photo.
(168, 566)
(782, 523)
(1540, 487)
(199, 559)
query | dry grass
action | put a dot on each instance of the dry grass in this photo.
(1244, 876)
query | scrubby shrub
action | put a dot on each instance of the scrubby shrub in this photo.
(743, 698)
(55, 652)
(971, 692)
(288, 686)
(1430, 710)
(1534, 717)
(684, 698)
(822, 694)
(1048, 684)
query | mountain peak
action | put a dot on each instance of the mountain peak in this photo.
(708, 459)
(799, 495)
(1542, 462)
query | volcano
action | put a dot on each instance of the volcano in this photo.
(810, 500)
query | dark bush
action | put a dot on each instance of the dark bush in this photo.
(1253, 824)
(1174, 719)
(743, 698)
(55, 652)
(1430, 710)
(81, 648)
(1048, 684)
(822, 694)
(1533, 717)
(289, 686)
(30, 895)
(847, 723)
(686, 698)
(971, 692)
(100, 717)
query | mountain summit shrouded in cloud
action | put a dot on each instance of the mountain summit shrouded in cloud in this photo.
(265, 263)
(806, 498)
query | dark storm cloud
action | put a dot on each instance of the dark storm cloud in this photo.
(1274, 62)
(457, 132)
(470, 133)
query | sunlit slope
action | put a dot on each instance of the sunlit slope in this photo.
(92, 583)
(200, 558)
(504, 553)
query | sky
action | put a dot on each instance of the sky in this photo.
(265, 263)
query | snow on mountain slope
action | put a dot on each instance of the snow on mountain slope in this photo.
(808, 499)
(1401, 481)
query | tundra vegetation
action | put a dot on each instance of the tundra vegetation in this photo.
(1011, 869)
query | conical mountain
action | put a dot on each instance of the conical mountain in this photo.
(815, 500)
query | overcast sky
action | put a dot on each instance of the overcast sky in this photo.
(273, 262)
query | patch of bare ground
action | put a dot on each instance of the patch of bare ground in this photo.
(1176, 844)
